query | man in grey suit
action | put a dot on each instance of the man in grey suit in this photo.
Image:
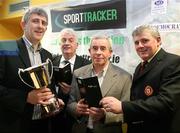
(113, 81)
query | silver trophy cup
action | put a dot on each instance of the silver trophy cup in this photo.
(41, 78)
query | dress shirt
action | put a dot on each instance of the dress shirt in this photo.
(100, 76)
(71, 61)
(35, 59)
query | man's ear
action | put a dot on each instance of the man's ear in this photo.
(22, 24)
(159, 40)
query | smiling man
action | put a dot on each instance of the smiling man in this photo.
(113, 81)
(68, 45)
(155, 91)
(20, 105)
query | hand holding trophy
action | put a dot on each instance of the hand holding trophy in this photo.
(41, 79)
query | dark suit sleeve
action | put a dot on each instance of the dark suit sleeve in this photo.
(10, 98)
(56, 60)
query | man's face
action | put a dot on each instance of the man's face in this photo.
(68, 44)
(146, 45)
(100, 52)
(35, 28)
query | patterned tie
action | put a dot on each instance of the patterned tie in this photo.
(143, 65)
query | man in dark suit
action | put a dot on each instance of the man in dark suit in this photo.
(113, 81)
(155, 92)
(68, 44)
(17, 100)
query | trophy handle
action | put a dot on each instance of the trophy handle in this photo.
(19, 73)
(49, 61)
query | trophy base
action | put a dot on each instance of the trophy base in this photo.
(51, 109)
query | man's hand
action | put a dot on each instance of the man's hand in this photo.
(39, 96)
(96, 113)
(111, 104)
(65, 87)
(61, 104)
(82, 108)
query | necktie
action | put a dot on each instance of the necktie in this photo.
(66, 62)
(143, 65)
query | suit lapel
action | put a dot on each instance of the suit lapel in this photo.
(108, 80)
(23, 53)
(77, 63)
(56, 60)
(136, 73)
(43, 55)
(88, 72)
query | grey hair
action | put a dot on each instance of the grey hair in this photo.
(102, 37)
(69, 31)
(152, 29)
(34, 10)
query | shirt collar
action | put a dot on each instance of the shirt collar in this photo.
(29, 44)
(72, 60)
(153, 55)
(102, 73)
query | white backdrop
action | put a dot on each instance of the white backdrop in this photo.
(164, 15)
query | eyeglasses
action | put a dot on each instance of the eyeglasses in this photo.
(70, 40)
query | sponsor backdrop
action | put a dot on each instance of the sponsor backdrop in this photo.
(116, 19)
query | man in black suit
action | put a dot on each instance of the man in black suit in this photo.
(68, 44)
(155, 92)
(18, 101)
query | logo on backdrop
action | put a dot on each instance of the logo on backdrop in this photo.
(103, 15)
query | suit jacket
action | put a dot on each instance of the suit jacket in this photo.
(15, 112)
(63, 122)
(155, 96)
(117, 83)
(79, 62)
